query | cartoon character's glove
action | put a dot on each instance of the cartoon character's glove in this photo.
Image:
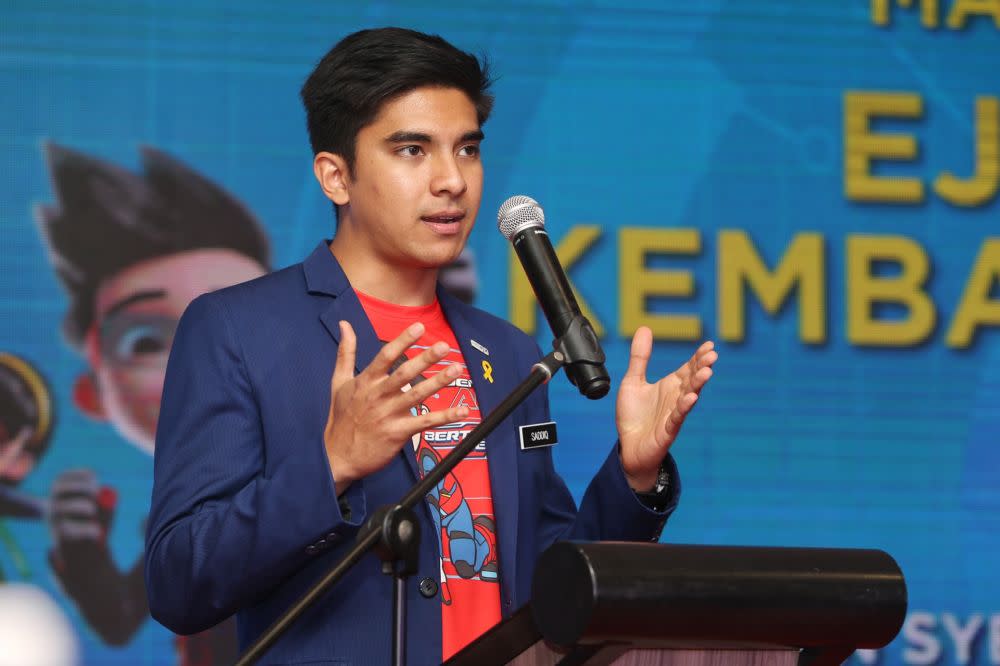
(81, 511)
(113, 603)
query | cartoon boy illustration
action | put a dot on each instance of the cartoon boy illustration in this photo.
(132, 251)
(25, 429)
(25, 420)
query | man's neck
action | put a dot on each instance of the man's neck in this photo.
(394, 284)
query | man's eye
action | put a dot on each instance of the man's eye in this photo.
(410, 151)
(469, 151)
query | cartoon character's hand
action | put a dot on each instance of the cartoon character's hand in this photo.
(81, 509)
(113, 603)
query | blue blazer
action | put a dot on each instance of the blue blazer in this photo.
(245, 515)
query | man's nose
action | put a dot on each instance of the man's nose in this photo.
(448, 176)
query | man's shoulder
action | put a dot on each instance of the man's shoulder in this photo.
(270, 294)
(480, 317)
(280, 282)
(497, 328)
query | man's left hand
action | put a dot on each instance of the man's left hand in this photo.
(649, 416)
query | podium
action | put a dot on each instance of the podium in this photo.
(681, 605)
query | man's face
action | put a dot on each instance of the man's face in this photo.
(417, 181)
(136, 313)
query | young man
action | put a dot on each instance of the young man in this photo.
(297, 404)
(132, 251)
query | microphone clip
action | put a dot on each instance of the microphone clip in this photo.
(583, 357)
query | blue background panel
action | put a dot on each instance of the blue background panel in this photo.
(713, 116)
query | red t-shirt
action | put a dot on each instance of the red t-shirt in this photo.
(462, 504)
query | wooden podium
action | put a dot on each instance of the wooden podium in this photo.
(656, 605)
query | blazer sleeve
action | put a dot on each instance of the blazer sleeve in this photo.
(609, 510)
(226, 524)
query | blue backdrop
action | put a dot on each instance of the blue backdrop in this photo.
(761, 130)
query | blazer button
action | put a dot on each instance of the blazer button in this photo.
(428, 588)
(311, 549)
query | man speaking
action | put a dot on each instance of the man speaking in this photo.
(298, 403)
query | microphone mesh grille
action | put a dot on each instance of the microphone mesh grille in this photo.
(517, 213)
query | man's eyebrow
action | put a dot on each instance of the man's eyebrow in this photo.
(404, 136)
(407, 136)
(137, 297)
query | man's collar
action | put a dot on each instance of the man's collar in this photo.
(323, 272)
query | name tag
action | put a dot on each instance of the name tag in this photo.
(538, 435)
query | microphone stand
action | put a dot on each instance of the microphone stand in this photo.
(394, 531)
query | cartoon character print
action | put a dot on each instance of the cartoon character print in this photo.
(468, 543)
(465, 527)
(25, 431)
(130, 266)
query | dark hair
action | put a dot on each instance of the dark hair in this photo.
(369, 68)
(108, 218)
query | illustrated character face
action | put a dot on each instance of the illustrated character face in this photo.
(25, 418)
(136, 314)
(17, 460)
(417, 180)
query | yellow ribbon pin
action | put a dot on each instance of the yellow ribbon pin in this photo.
(488, 371)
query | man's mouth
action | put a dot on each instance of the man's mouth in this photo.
(445, 223)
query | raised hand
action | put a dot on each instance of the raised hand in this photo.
(649, 416)
(370, 415)
(111, 601)
(81, 510)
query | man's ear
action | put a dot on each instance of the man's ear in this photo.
(333, 176)
(87, 397)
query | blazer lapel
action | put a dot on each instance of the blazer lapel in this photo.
(348, 307)
(325, 276)
(500, 449)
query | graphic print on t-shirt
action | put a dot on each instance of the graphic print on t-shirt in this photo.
(462, 503)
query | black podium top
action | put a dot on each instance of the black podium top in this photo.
(826, 601)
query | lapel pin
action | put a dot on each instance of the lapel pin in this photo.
(488, 371)
(480, 348)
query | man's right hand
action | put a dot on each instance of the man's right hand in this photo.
(370, 418)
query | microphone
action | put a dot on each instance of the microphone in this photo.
(522, 221)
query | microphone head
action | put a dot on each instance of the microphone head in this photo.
(517, 213)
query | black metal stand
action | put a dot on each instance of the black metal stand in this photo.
(394, 532)
(399, 549)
